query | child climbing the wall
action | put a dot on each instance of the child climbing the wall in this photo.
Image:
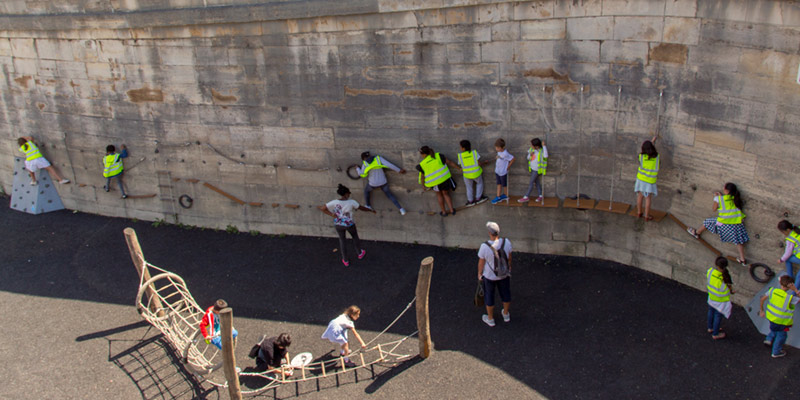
(337, 332)
(434, 174)
(112, 167)
(503, 162)
(470, 165)
(537, 166)
(34, 161)
(720, 288)
(792, 249)
(342, 212)
(646, 177)
(372, 169)
(728, 224)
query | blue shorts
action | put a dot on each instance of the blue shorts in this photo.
(503, 288)
(502, 180)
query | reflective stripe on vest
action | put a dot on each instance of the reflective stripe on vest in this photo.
(648, 168)
(376, 163)
(30, 150)
(113, 165)
(717, 289)
(728, 213)
(435, 172)
(780, 309)
(541, 163)
(469, 164)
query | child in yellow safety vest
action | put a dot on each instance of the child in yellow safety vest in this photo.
(720, 288)
(792, 248)
(779, 313)
(646, 178)
(34, 161)
(112, 167)
(728, 224)
(537, 166)
(470, 163)
(434, 174)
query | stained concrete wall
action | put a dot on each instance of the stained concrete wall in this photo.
(271, 101)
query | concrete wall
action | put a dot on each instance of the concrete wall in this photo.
(271, 101)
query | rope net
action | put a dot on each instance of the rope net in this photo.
(166, 303)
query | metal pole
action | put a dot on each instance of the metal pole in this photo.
(613, 157)
(658, 112)
(580, 151)
(423, 318)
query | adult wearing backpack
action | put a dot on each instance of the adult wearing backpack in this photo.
(494, 270)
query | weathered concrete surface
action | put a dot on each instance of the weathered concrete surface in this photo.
(272, 101)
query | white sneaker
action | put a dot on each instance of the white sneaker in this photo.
(402, 211)
(506, 317)
(34, 183)
(487, 321)
(540, 199)
(63, 181)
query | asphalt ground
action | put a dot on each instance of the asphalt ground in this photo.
(580, 328)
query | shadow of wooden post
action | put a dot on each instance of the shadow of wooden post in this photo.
(423, 319)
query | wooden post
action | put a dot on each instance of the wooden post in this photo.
(141, 268)
(228, 358)
(423, 319)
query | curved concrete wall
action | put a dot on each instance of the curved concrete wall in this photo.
(271, 101)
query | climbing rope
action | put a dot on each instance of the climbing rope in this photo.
(614, 158)
(580, 150)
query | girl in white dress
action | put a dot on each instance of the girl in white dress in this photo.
(337, 332)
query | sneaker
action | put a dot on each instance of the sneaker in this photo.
(767, 343)
(481, 200)
(105, 188)
(453, 211)
(539, 199)
(34, 183)
(487, 321)
(346, 263)
(369, 207)
(124, 196)
(524, 199)
(506, 317)
(362, 254)
(503, 197)
(496, 200)
(63, 181)
(779, 355)
(693, 233)
(349, 364)
(471, 203)
(402, 211)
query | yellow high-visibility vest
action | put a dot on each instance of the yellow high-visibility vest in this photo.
(717, 289)
(648, 168)
(376, 163)
(728, 213)
(112, 165)
(435, 171)
(780, 309)
(540, 161)
(794, 237)
(468, 160)
(30, 150)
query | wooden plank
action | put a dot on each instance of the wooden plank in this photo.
(192, 180)
(255, 204)
(275, 205)
(585, 204)
(291, 206)
(511, 202)
(657, 215)
(548, 202)
(701, 240)
(423, 318)
(222, 192)
(615, 207)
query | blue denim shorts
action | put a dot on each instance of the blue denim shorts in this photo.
(502, 180)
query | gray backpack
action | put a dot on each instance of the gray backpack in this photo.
(501, 269)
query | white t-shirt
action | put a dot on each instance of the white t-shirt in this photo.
(488, 254)
(343, 211)
(337, 329)
(501, 166)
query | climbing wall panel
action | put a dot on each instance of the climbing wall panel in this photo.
(32, 199)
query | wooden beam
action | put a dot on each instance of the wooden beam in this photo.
(547, 202)
(423, 318)
(141, 267)
(222, 192)
(581, 204)
(701, 240)
(228, 357)
(615, 207)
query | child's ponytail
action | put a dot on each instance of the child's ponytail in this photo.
(734, 192)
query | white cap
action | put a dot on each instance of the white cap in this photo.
(493, 227)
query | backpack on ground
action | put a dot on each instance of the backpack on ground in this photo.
(500, 269)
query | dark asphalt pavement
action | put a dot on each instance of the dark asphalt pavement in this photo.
(581, 328)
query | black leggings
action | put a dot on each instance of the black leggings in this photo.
(353, 232)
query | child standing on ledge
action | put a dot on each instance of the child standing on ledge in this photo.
(728, 224)
(646, 178)
(112, 167)
(537, 166)
(503, 163)
(470, 165)
(337, 332)
(34, 161)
